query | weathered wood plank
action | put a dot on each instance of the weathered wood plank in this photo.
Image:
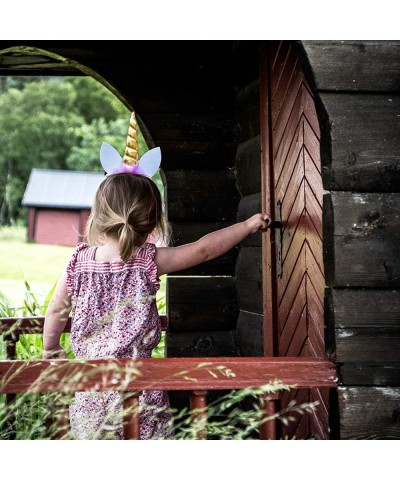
(248, 166)
(201, 344)
(201, 195)
(363, 334)
(249, 206)
(249, 332)
(248, 111)
(360, 142)
(166, 373)
(183, 233)
(354, 65)
(355, 308)
(364, 345)
(193, 154)
(361, 239)
(191, 127)
(369, 412)
(370, 373)
(197, 304)
(249, 279)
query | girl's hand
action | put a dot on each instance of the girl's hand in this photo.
(52, 354)
(259, 221)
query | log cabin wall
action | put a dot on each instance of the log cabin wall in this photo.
(249, 332)
(358, 86)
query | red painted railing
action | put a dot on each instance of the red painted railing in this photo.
(131, 377)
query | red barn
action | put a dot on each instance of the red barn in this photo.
(58, 203)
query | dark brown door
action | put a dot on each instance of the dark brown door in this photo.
(294, 275)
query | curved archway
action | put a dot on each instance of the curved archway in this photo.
(72, 64)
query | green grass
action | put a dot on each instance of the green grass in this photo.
(40, 265)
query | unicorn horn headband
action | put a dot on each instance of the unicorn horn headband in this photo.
(112, 162)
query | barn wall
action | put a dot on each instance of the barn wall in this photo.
(57, 227)
(248, 270)
(358, 86)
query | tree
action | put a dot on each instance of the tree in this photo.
(94, 101)
(58, 123)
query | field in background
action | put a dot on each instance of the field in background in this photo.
(39, 265)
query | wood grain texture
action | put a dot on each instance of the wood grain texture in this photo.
(202, 195)
(198, 304)
(248, 166)
(249, 333)
(298, 187)
(167, 373)
(186, 232)
(369, 413)
(210, 343)
(368, 65)
(360, 151)
(249, 279)
(364, 308)
(361, 239)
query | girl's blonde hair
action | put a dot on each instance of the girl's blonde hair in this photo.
(128, 208)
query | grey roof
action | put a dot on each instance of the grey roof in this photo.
(61, 188)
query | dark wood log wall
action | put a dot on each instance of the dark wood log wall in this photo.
(248, 177)
(358, 86)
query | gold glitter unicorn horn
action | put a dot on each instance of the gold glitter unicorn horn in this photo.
(131, 156)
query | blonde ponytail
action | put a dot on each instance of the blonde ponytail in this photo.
(127, 241)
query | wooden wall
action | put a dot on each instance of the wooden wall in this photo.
(248, 177)
(358, 86)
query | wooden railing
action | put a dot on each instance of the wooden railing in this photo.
(195, 375)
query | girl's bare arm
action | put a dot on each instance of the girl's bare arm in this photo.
(55, 319)
(171, 259)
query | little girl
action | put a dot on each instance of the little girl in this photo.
(110, 284)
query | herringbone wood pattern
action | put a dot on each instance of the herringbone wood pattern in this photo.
(298, 186)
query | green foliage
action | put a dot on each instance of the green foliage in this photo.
(56, 123)
(93, 101)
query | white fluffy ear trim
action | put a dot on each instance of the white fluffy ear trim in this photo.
(150, 162)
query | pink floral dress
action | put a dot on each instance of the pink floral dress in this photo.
(114, 314)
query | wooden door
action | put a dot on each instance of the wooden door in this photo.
(292, 189)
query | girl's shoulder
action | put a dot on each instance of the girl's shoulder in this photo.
(82, 252)
(146, 252)
(145, 257)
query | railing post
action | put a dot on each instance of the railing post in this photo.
(131, 415)
(11, 349)
(268, 408)
(198, 409)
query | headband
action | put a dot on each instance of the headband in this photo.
(112, 162)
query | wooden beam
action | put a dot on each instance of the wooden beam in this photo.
(248, 166)
(166, 374)
(361, 239)
(198, 304)
(369, 413)
(360, 142)
(355, 65)
(211, 343)
(207, 195)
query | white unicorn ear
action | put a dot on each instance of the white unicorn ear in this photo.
(110, 159)
(150, 162)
